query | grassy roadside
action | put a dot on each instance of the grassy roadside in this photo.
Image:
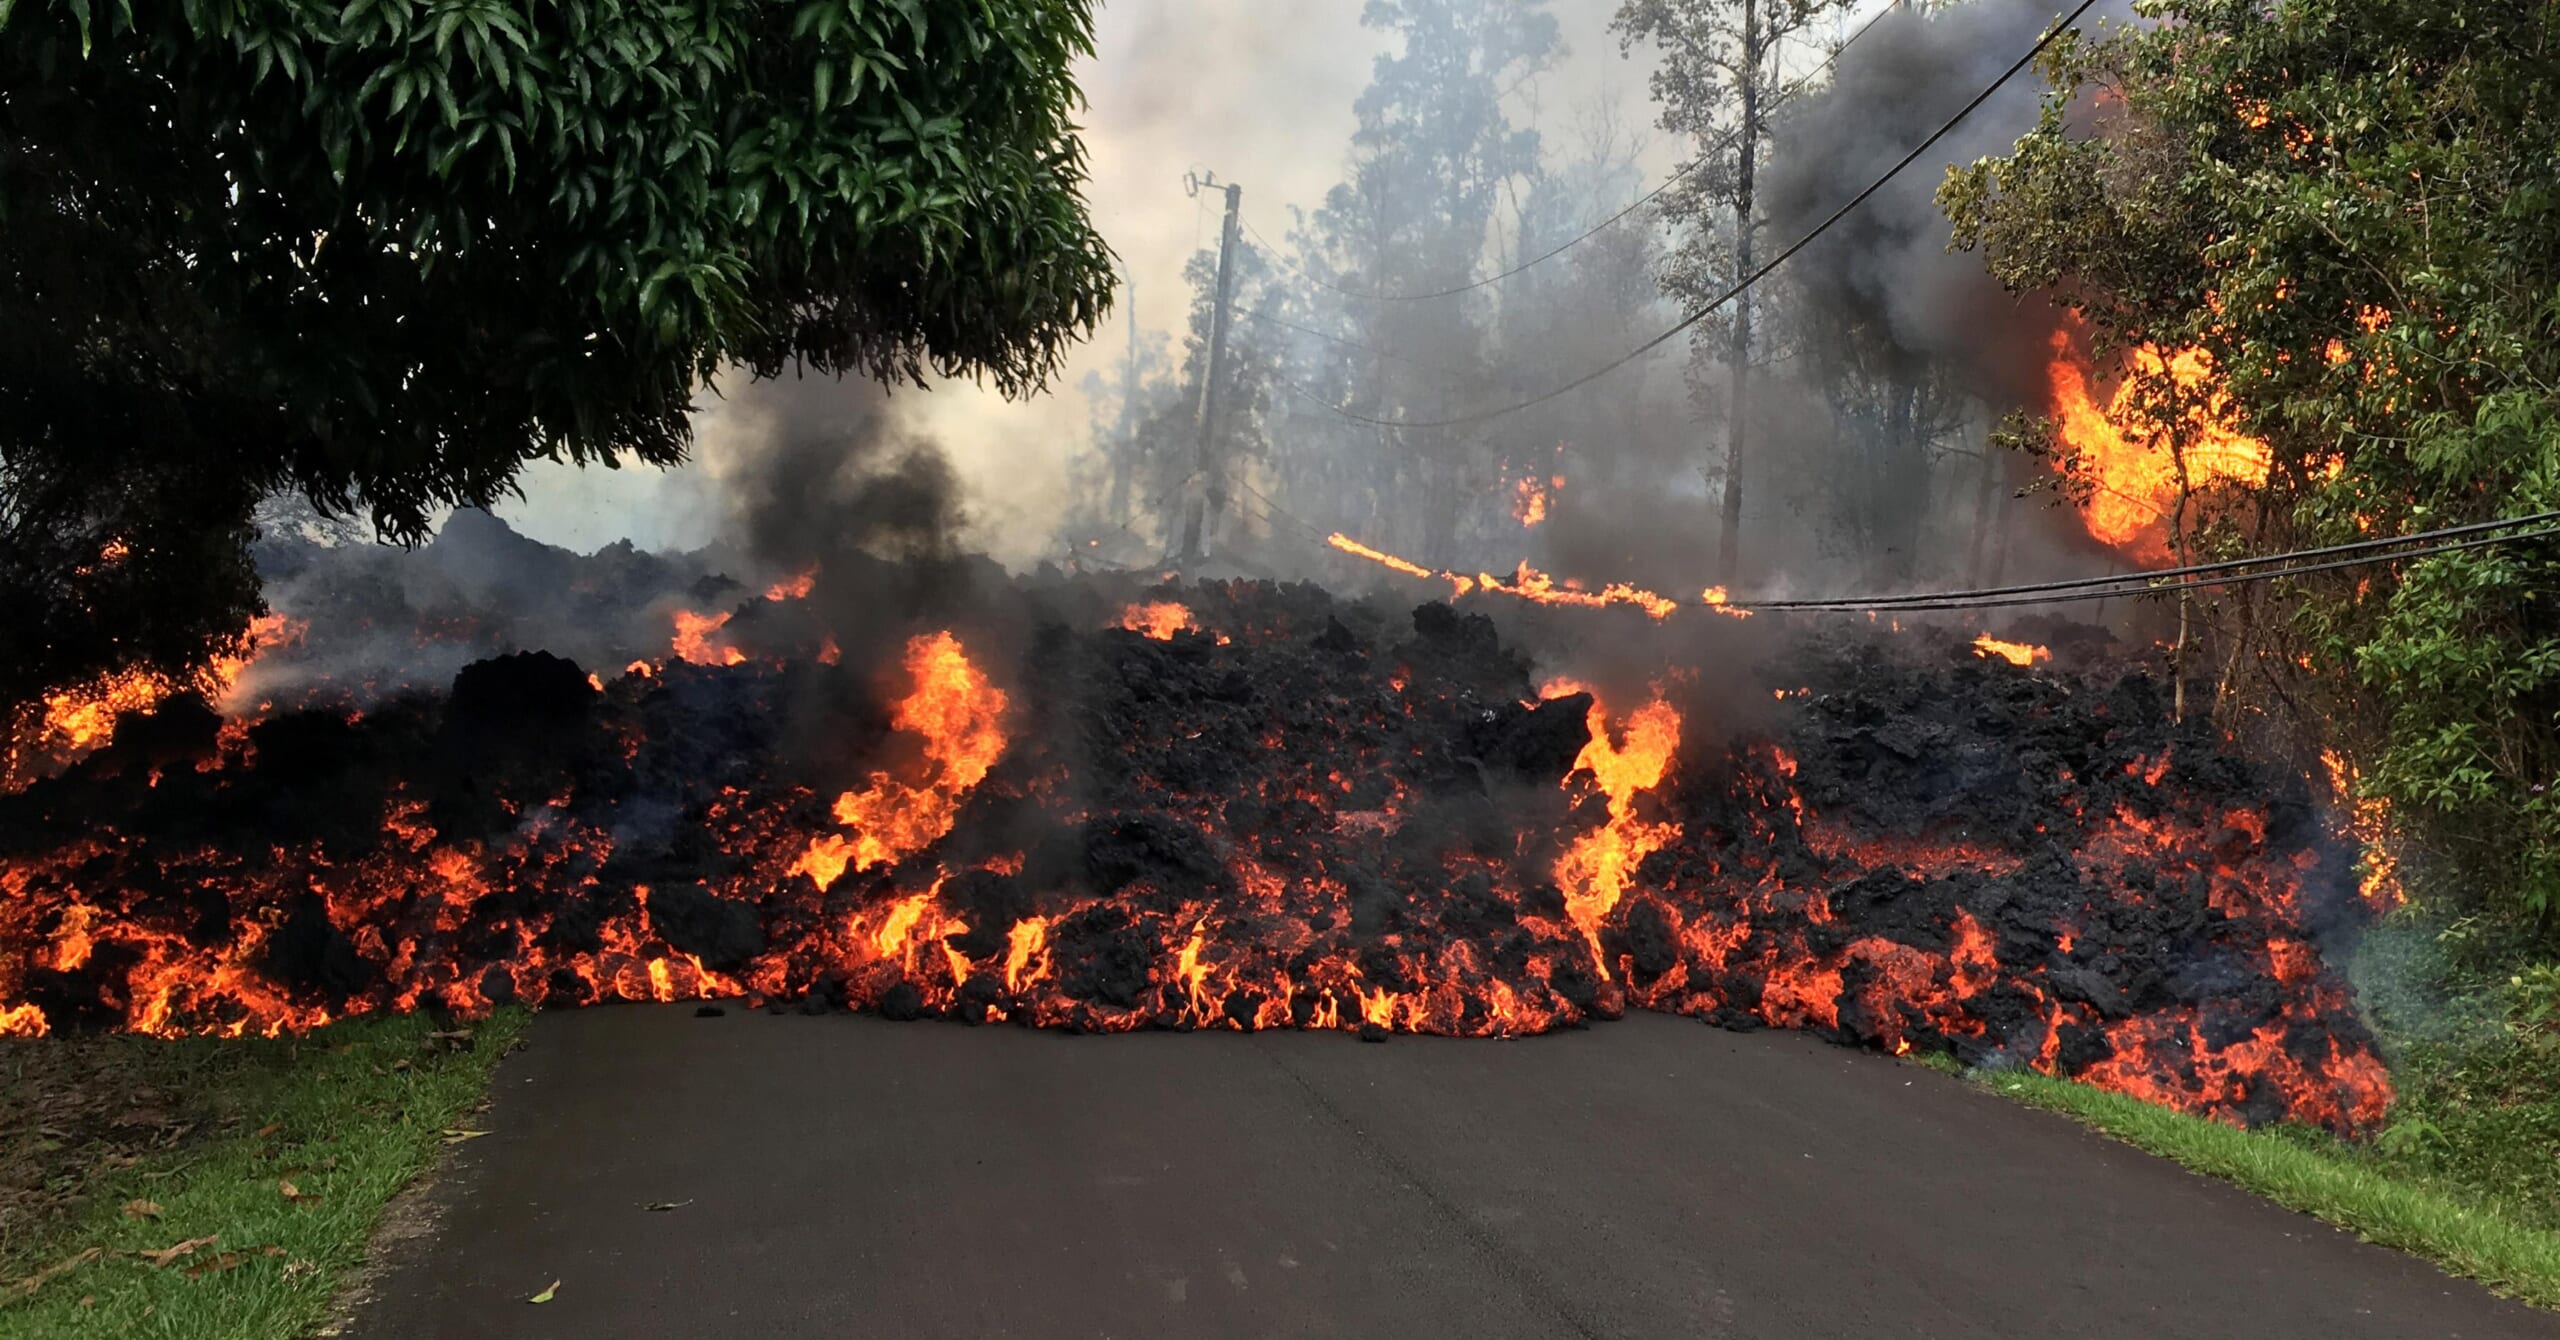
(2467, 1173)
(2331, 1182)
(286, 1154)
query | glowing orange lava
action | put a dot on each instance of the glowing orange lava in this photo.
(79, 720)
(1159, 619)
(693, 643)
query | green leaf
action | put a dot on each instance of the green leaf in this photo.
(549, 1292)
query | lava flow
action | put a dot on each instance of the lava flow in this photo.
(1278, 812)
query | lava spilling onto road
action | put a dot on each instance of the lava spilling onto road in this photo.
(1226, 806)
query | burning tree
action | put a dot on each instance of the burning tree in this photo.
(385, 258)
(2338, 207)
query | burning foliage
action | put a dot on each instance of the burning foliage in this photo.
(2137, 466)
(1277, 812)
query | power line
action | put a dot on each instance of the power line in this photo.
(1745, 283)
(2117, 584)
(2273, 574)
(1259, 314)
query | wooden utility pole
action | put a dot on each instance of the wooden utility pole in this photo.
(1738, 410)
(1208, 493)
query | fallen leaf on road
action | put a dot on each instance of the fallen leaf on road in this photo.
(37, 1280)
(661, 1206)
(545, 1295)
(160, 1259)
(455, 1135)
(142, 1209)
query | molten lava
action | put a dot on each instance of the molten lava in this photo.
(2133, 462)
(1326, 822)
(77, 721)
(1159, 619)
(693, 640)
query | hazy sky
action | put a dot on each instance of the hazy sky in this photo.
(1260, 94)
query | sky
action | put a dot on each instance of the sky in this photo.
(1260, 94)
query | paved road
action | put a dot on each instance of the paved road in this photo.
(1655, 1177)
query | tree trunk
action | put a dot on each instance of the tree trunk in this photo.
(1737, 425)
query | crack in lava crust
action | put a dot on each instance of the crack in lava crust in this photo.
(1275, 813)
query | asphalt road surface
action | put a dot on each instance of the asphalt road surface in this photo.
(849, 1177)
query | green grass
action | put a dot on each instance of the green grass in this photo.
(2466, 1173)
(2322, 1178)
(2470, 1025)
(347, 1116)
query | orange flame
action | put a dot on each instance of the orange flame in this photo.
(1532, 585)
(793, 587)
(960, 715)
(693, 640)
(81, 719)
(2015, 653)
(1159, 619)
(1530, 497)
(2368, 821)
(2130, 459)
(1600, 865)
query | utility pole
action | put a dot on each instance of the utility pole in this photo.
(1207, 496)
(1124, 460)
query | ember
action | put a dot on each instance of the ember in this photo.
(1332, 819)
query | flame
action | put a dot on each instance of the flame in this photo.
(1738, 898)
(1601, 864)
(1528, 583)
(693, 640)
(960, 715)
(2129, 458)
(79, 720)
(2368, 821)
(1532, 585)
(1531, 496)
(1159, 619)
(1459, 585)
(2015, 653)
(793, 587)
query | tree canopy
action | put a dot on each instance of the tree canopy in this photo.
(2352, 206)
(386, 253)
